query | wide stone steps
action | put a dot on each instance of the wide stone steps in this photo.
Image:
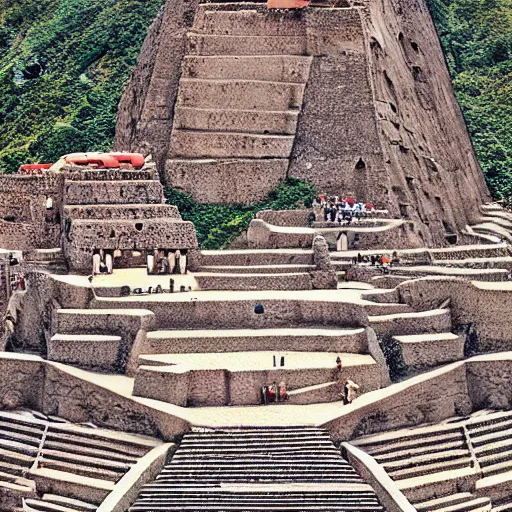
(121, 211)
(492, 442)
(113, 192)
(257, 269)
(257, 257)
(262, 462)
(271, 68)
(238, 94)
(433, 349)
(250, 22)
(235, 507)
(205, 44)
(36, 449)
(210, 144)
(307, 339)
(460, 502)
(434, 321)
(504, 505)
(53, 502)
(264, 281)
(241, 121)
(97, 350)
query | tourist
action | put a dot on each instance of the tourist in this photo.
(327, 212)
(350, 391)
(311, 219)
(283, 395)
(332, 213)
(372, 260)
(359, 258)
(339, 364)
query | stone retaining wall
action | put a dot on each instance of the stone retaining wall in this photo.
(487, 307)
(205, 314)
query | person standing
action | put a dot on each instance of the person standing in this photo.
(350, 391)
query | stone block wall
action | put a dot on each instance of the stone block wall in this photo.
(428, 398)
(121, 212)
(202, 314)
(113, 192)
(141, 235)
(488, 307)
(291, 218)
(28, 224)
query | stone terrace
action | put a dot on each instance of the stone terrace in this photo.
(432, 465)
(50, 463)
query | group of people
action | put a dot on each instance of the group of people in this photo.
(380, 260)
(174, 262)
(274, 393)
(343, 210)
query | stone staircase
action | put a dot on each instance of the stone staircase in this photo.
(434, 465)
(422, 338)
(97, 339)
(255, 270)
(460, 502)
(239, 98)
(57, 503)
(491, 438)
(258, 470)
(72, 467)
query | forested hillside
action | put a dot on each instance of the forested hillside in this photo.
(477, 39)
(63, 64)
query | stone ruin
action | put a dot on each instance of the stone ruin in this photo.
(225, 390)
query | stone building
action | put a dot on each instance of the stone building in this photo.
(81, 210)
(230, 98)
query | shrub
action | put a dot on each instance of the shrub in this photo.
(218, 224)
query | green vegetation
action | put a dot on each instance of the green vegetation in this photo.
(217, 224)
(477, 39)
(63, 66)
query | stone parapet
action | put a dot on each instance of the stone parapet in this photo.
(113, 192)
(121, 212)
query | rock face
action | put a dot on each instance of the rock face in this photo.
(231, 98)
